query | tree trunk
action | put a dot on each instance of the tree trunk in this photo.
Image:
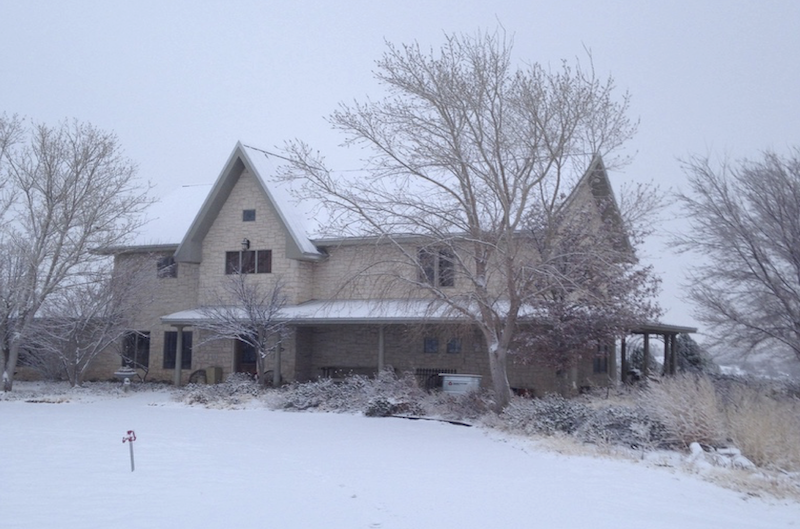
(10, 366)
(498, 359)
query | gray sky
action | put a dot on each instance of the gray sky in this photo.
(181, 81)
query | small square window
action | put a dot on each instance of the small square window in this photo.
(431, 345)
(248, 215)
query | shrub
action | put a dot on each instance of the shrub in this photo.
(688, 407)
(385, 394)
(623, 425)
(546, 416)
(237, 389)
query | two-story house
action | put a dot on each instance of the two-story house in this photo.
(341, 315)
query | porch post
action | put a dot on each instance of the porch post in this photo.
(276, 371)
(381, 349)
(623, 360)
(176, 380)
(667, 356)
(673, 354)
(646, 359)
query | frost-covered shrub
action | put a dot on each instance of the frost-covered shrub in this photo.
(689, 408)
(468, 406)
(355, 393)
(622, 425)
(237, 389)
(545, 416)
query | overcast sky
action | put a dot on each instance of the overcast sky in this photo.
(181, 81)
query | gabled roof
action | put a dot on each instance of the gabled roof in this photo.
(596, 179)
(261, 166)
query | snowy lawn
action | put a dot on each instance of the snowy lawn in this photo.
(64, 466)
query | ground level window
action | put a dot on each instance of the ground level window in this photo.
(136, 350)
(600, 364)
(171, 348)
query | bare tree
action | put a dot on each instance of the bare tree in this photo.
(248, 312)
(745, 223)
(81, 321)
(464, 146)
(74, 191)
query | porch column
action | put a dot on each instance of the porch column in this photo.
(646, 359)
(667, 356)
(673, 354)
(623, 360)
(276, 371)
(381, 349)
(176, 380)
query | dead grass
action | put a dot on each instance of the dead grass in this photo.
(765, 428)
(689, 408)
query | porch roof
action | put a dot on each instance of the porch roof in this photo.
(376, 311)
(342, 311)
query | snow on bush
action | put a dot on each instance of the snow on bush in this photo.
(386, 394)
(236, 390)
(623, 425)
(546, 416)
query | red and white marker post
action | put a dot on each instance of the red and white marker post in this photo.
(130, 439)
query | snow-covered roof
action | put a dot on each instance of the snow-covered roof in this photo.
(294, 218)
(168, 219)
(299, 216)
(342, 311)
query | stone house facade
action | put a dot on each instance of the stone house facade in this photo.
(338, 320)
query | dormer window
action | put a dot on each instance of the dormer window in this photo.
(248, 215)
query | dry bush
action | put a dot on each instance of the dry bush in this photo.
(689, 408)
(765, 428)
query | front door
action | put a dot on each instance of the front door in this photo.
(244, 358)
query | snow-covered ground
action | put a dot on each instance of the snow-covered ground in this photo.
(64, 465)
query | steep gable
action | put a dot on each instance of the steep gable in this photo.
(258, 163)
(596, 184)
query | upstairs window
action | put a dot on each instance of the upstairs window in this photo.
(430, 345)
(454, 346)
(248, 262)
(437, 267)
(166, 267)
(248, 215)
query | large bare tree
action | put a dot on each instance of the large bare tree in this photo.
(461, 150)
(745, 225)
(73, 191)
